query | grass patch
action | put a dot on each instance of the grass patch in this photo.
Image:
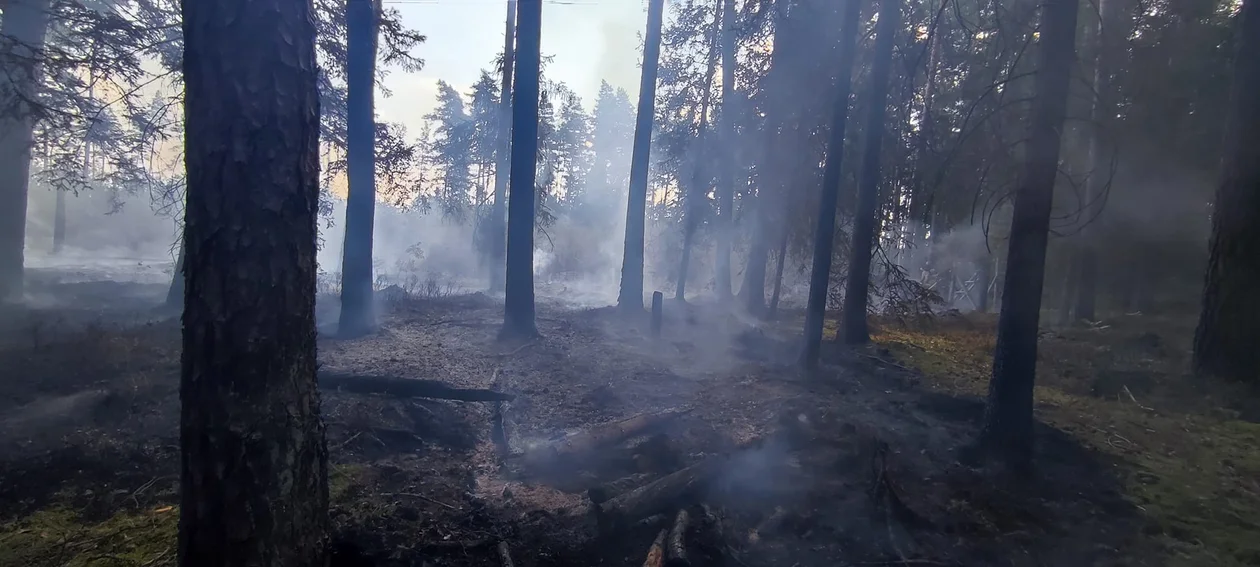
(60, 536)
(1191, 465)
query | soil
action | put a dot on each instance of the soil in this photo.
(853, 465)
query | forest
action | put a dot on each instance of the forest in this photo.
(843, 283)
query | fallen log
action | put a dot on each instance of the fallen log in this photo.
(504, 555)
(601, 436)
(656, 553)
(677, 489)
(399, 387)
(677, 551)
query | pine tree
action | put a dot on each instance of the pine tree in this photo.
(22, 34)
(1225, 340)
(518, 306)
(254, 479)
(630, 297)
(854, 328)
(358, 315)
(451, 152)
(824, 234)
(1008, 422)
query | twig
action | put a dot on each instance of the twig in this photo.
(1130, 394)
(422, 497)
(348, 441)
(518, 349)
(883, 361)
(159, 557)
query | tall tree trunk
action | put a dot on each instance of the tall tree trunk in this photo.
(358, 314)
(986, 279)
(502, 157)
(726, 163)
(1225, 340)
(631, 296)
(779, 118)
(59, 210)
(1111, 34)
(825, 232)
(59, 222)
(254, 464)
(695, 191)
(518, 305)
(1008, 422)
(781, 261)
(855, 329)
(22, 33)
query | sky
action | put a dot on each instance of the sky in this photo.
(589, 40)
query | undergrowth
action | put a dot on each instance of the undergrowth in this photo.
(59, 535)
(1191, 464)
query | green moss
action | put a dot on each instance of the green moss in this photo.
(1190, 470)
(343, 481)
(59, 537)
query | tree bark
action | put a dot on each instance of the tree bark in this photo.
(358, 314)
(502, 157)
(695, 191)
(22, 32)
(1225, 340)
(631, 296)
(855, 329)
(518, 305)
(1008, 422)
(175, 292)
(726, 165)
(254, 483)
(824, 234)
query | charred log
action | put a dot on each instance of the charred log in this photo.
(601, 436)
(656, 553)
(399, 387)
(677, 550)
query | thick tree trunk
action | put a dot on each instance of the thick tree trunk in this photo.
(631, 296)
(1225, 341)
(824, 234)
(22, 33)
(254, 482)
(753, 289)
(1008, 423)
(696, 190)
(502, 157)
(854, 330)
(358, 314)
(726, 165)
(518, 306)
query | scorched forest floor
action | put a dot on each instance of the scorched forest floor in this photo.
(1137, 464)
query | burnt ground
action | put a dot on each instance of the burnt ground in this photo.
(855, 465)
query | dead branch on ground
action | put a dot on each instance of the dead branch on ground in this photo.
(656, 553)
(400, 387)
